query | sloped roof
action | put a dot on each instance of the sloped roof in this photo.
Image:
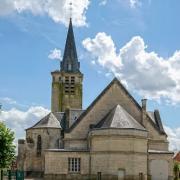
(70, 54)
(156, 119)
(151, 115)
(177, 156)
(115, 80)
(52, 120)
(118, 117)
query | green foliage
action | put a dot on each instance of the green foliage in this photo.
(7, 148)
(176, 170)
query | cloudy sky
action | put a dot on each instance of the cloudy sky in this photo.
(135, 40)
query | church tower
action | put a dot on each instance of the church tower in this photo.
(67, 83)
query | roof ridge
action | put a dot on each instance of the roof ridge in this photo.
(115, 80)
(108, 114)
(129, 115)
(48, 121)
(118, 117)
(158, 120)
(39, 121)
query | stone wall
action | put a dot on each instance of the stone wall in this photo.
(49, 137)
(114, 149)
(160, 145)
(56, 165)
(56, 162)
(60, 100)
(76, 144)
(115, 95)
(31, 161)
(110, 150)
(119, 140)
(162, 156)
(156, 140)
(110, 163)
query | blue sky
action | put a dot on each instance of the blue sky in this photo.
(30, 32)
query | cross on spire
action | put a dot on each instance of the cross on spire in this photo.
(70, 9)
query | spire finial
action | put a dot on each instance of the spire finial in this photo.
(70, 60)
(70, 9)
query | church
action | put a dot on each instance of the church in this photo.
(115, 138)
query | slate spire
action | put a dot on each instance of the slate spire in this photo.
(70, 61)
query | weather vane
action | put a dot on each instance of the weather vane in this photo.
(70, 9)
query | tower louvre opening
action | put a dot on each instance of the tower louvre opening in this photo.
(67, 83)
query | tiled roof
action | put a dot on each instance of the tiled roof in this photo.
(118, 117)
(177, 157)
(156, 119)
(70, 55)
(52, 120)
(115, 80)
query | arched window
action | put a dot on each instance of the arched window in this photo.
(39, 145)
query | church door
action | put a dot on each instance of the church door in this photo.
(159, 170)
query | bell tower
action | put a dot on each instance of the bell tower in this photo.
(67, 82)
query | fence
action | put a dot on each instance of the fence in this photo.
(12, 175)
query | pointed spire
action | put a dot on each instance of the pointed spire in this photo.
(70, 61)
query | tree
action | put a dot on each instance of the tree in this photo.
(176, 170)
(7, 148)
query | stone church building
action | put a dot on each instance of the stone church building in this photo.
(115, 138)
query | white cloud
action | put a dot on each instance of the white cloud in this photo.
(173, 137)
(102, 47)
(103, 2)
(129, 3)
(19, 120)
(55, 54)
(134, 3)
(58, 10)
(147, 73)
(8, 100)
(93, 62)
